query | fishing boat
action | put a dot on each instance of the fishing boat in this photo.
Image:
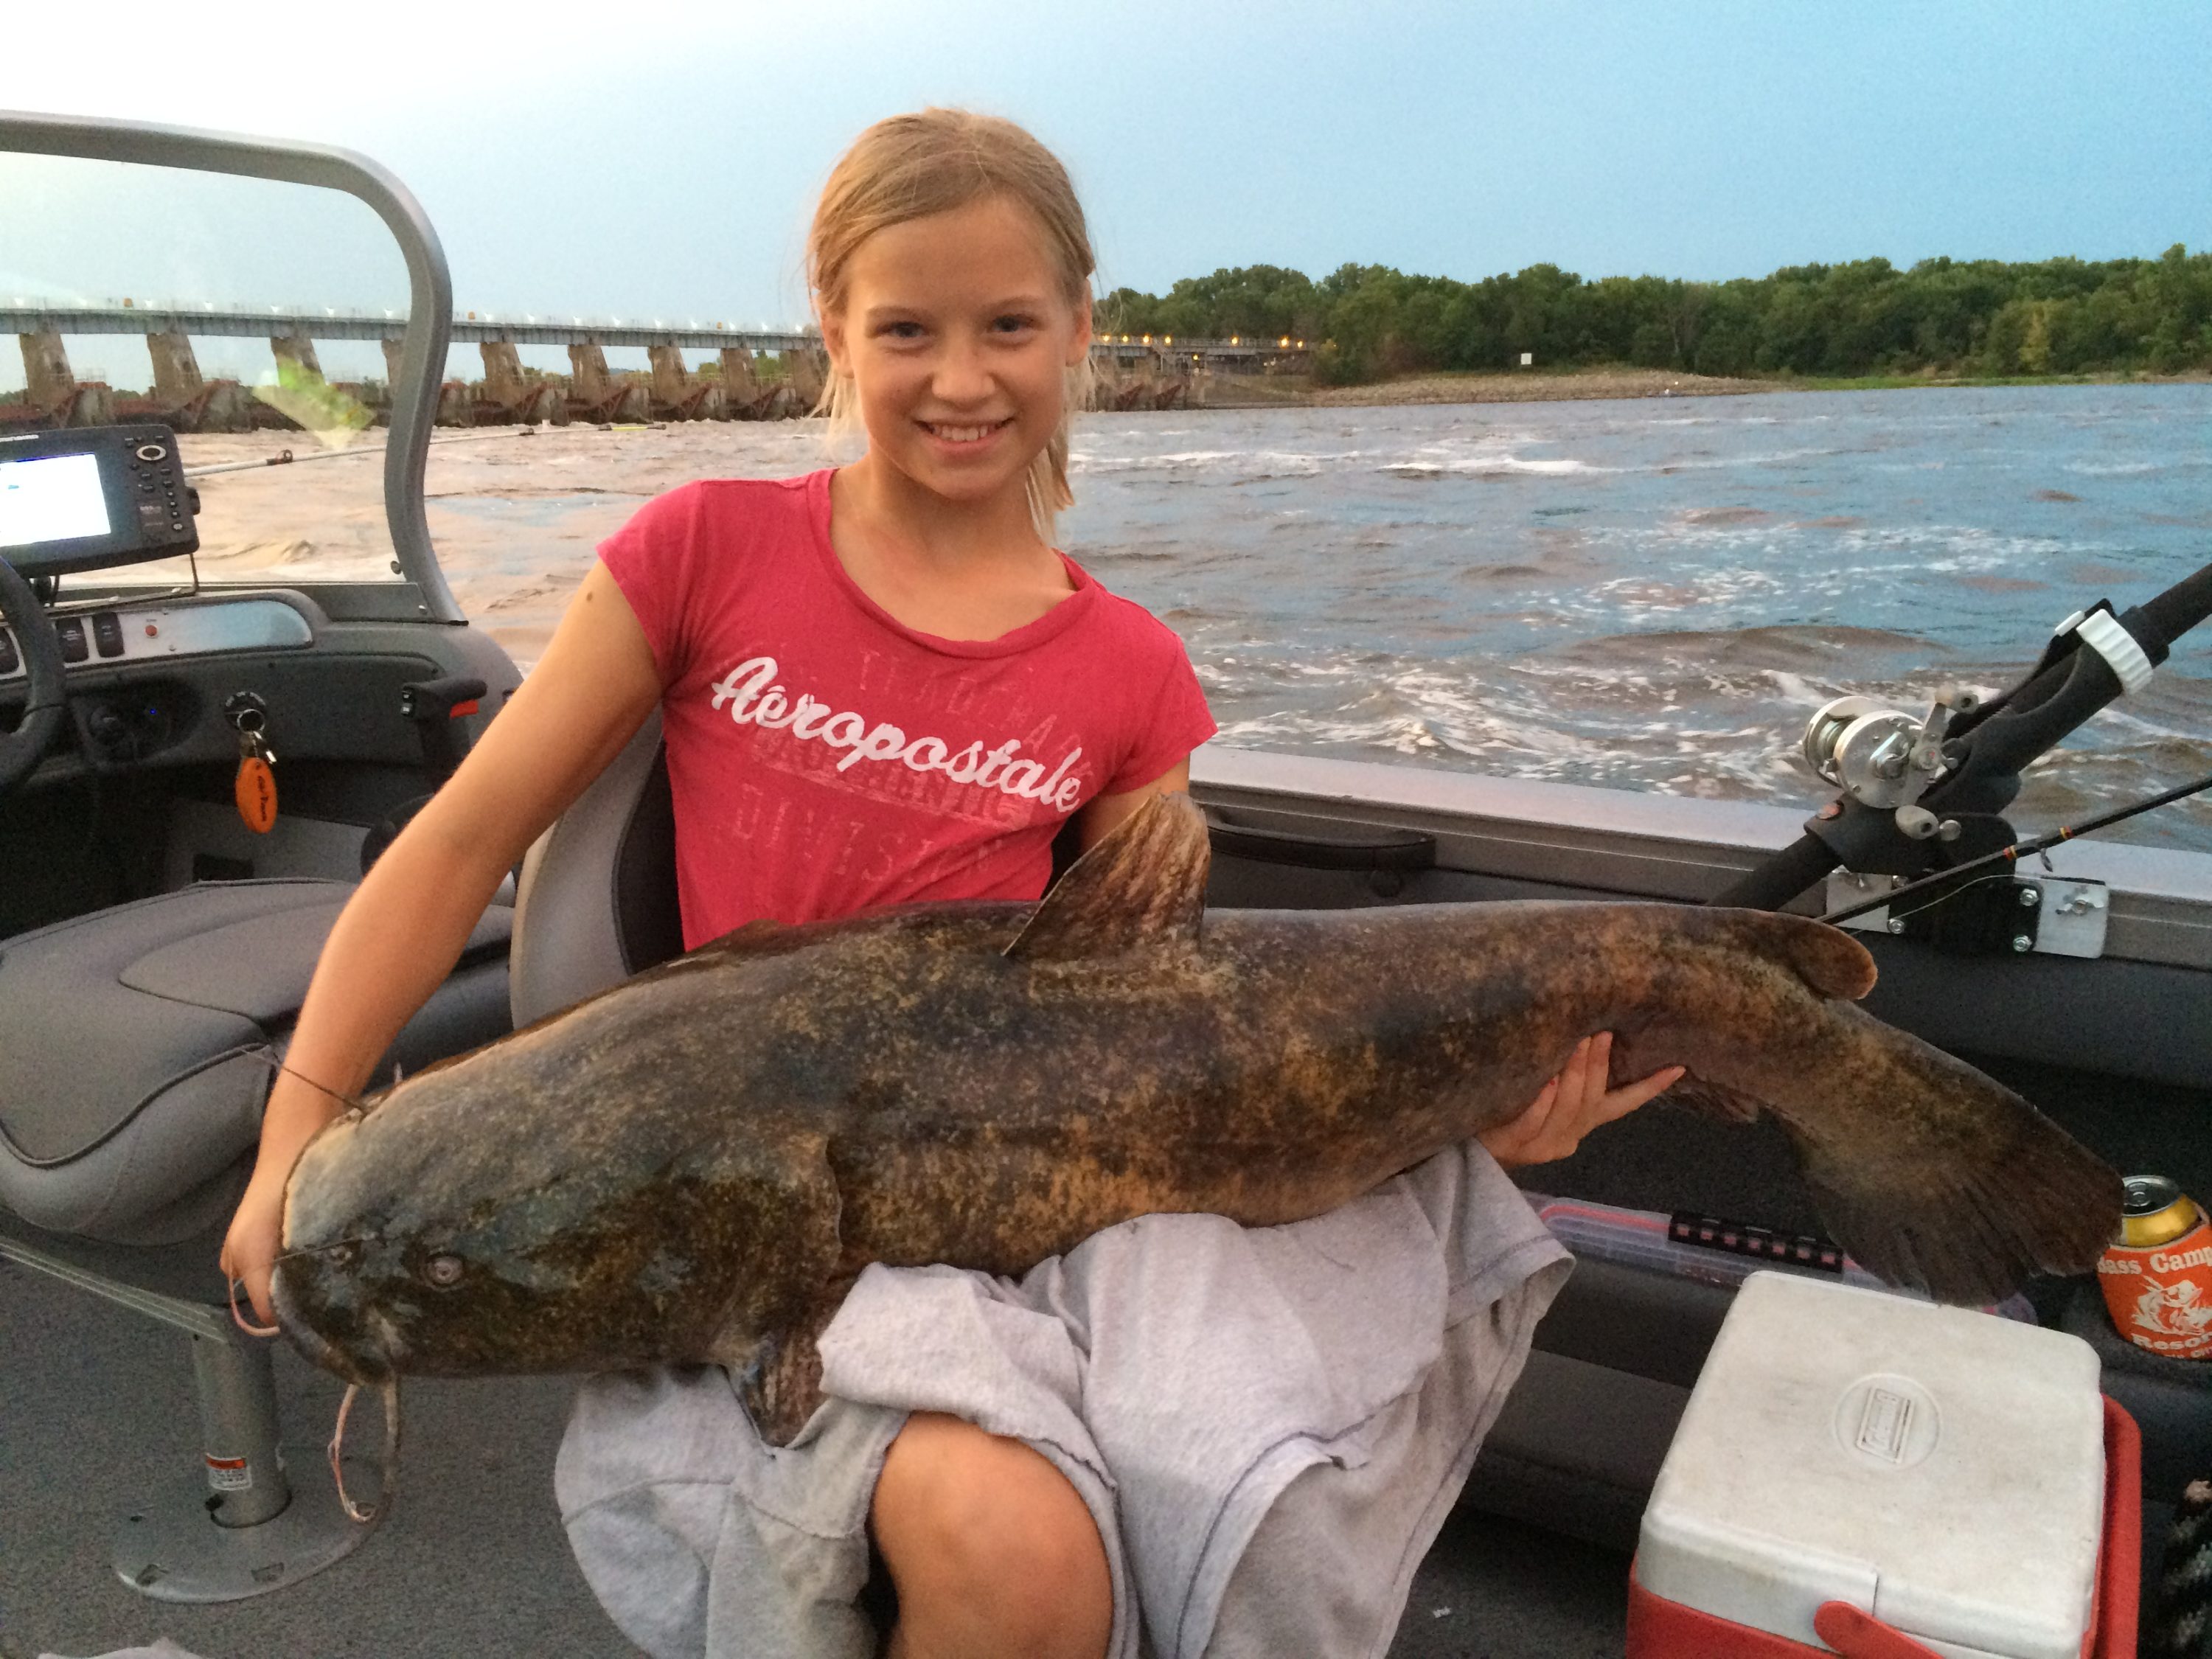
(159, 923)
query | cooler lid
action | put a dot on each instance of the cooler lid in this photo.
(1938, 1468)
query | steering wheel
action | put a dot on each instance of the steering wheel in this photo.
(42, 651)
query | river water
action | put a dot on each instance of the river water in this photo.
(1656, 594)
(1646, 594)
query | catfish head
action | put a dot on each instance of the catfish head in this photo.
(441, 1236)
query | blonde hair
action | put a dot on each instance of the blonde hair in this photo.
(911, 166)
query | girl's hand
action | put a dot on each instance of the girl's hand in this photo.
(249, 1250)
(1571, 1105)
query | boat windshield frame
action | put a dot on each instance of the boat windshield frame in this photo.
(422, 594)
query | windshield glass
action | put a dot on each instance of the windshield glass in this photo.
(260, 321)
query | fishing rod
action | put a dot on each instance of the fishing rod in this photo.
(286, 458)
(2017, 851)
(1925, 796)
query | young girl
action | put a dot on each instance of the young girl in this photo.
(879, 685)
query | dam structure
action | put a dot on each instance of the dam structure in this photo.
(747, 375)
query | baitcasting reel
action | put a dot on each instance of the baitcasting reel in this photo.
(1885, 759)
(1968, 755)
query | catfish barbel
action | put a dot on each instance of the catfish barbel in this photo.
(695, 1165)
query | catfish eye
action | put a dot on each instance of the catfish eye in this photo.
(444, 1271)
(345, 1256)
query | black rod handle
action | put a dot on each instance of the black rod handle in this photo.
(1781, 877)
(2171, 614)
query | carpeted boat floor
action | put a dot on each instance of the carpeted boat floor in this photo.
(96, 1406)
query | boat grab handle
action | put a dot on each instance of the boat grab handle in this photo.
(1402, 851)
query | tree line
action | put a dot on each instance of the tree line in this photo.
(1972, 316)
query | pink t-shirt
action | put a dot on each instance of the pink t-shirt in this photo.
(825, 758)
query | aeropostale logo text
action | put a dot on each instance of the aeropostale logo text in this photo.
(750, 694)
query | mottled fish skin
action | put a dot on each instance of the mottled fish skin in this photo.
(694, 1165)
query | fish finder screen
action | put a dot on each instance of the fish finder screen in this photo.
(53, 498)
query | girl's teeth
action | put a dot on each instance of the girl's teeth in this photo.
(961, 435)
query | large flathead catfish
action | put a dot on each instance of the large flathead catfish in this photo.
(695, 1164)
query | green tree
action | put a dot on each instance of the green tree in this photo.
(2054, 316)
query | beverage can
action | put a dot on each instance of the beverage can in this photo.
(2157, 1279)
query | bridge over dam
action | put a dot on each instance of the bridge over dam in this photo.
(748, 374)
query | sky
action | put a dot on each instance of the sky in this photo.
(660, 158)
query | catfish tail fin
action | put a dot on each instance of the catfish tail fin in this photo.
(1940, 1178)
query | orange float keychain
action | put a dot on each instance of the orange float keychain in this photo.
(255, 788)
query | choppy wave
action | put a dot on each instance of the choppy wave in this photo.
(1488, 466)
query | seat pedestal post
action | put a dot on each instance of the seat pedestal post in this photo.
(255, 1516)
(237, 1432)
(260, 1516)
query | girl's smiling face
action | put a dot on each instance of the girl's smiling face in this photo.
(957, 331)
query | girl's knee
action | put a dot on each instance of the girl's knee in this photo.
(968, 1520)
(960, 1491)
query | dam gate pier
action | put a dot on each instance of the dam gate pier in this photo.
(742, 375)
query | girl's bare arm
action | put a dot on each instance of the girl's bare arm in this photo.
(1104, 812)
(403, 929)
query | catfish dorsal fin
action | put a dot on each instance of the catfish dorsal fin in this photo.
(1142, 886)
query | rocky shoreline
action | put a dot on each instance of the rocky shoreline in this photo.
(1528, 386)
(1522, 386)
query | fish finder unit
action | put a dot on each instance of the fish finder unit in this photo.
(87, 497)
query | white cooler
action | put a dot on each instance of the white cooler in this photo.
(1932, 1477)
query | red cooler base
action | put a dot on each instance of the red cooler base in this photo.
(1660, 1629)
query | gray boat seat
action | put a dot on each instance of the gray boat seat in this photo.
(136, 1048)
(137, 1045)
(597, 901)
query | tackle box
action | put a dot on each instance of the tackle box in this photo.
(1865, 1474)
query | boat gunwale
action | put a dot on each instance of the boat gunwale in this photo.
(1630, 841)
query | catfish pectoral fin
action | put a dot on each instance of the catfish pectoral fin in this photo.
(778, 1378)
(1938, 1177)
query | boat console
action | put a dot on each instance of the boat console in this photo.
(88, 498)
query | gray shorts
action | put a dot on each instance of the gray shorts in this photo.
(1268, 1424)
